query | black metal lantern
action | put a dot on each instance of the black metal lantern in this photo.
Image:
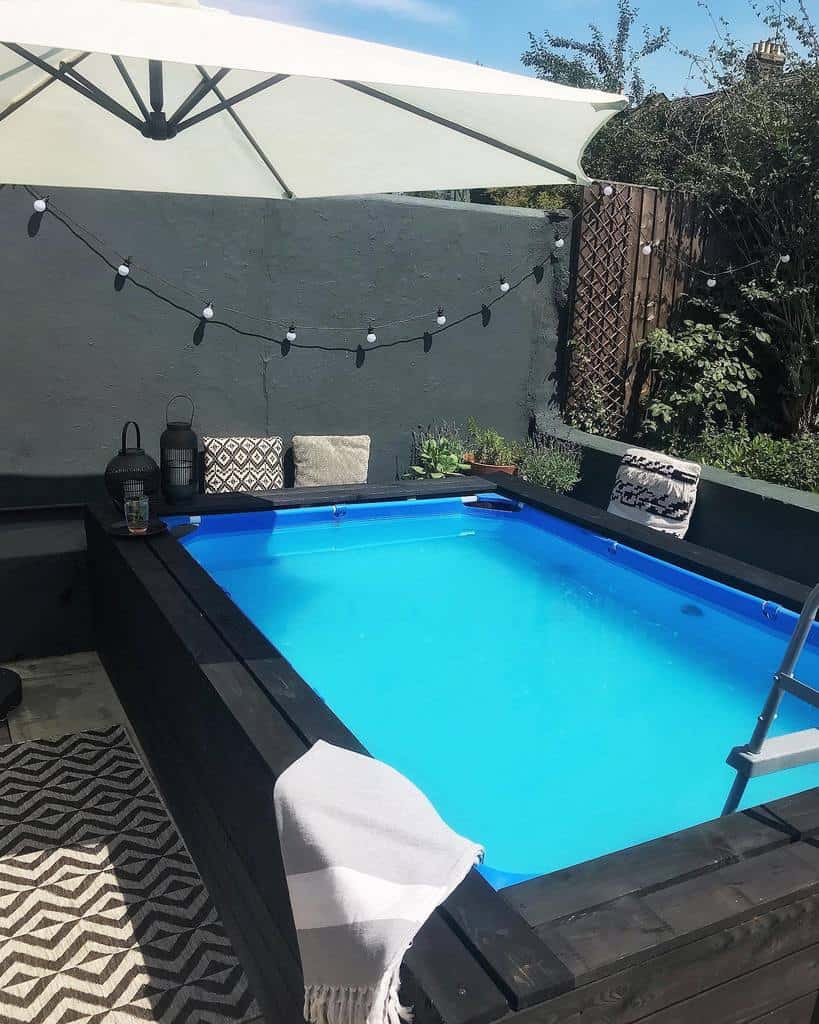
(178, 451)
(131, 473)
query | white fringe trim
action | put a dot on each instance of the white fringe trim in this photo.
(335, 1004)
(361, 1004)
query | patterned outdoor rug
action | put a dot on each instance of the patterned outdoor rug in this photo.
(103, 917)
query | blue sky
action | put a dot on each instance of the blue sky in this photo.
(494, 32)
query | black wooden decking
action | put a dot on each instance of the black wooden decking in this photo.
(719, 923)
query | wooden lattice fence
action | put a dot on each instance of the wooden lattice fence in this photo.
(621, 294)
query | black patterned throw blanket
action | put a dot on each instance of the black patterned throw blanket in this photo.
(103, 916)
(655, 489)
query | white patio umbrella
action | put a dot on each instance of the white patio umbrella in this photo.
(165, 96)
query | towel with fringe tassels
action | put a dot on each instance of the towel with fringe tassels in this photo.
(367, 860)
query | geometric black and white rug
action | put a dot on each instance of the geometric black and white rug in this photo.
(103, 916)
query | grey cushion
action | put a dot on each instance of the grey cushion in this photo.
(243, 464)
(324, 461)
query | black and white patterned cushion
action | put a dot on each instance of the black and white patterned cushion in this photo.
(655, 489)
(243, 464)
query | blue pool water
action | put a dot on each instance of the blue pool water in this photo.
(557, 696)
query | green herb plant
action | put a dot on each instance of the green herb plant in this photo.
(489, 447)
(551, 462)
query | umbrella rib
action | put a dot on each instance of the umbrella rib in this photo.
(89, 91)
(37, 89)
(247, 134)
(230, 101)
(196, 96)
(132, 89)
(454, 126)
(156, 85)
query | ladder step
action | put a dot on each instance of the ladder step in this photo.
(777, 753)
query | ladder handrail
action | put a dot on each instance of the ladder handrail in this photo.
(801, 632)
(793, 652)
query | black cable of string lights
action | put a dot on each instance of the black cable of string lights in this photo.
(124, 268)
(661, 247)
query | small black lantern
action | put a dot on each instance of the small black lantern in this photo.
(178, 453)
(131, 473)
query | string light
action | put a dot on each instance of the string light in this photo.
(88, 238)
(123, 269)
(711, 274)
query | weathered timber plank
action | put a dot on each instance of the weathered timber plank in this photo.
(635, 926)
(641, 868)
(749, 996)
(737, 889)
(673, 977)
(804, 1010)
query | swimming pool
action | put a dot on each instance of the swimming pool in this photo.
(529, 675)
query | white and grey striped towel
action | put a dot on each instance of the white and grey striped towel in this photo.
(367, 859)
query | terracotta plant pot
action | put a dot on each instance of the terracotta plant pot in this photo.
(481, 468)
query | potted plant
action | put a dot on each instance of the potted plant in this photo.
(490, 452)
(437, 452)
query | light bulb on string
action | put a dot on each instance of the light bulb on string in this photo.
(124, 269)
(207, 312)
(711, 282)
(504, 285)
(648, 248)
(608, 190)
(441, 318)
(559, 243)
(291, 334)
(372, 337)
(40, 205)
(785, 257)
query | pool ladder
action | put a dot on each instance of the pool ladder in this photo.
(763, 756)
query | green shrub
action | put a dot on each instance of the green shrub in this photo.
(488, 446)
(551, 462)
(793, 462)
(703, 373)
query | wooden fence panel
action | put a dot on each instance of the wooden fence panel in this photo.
(621, 294)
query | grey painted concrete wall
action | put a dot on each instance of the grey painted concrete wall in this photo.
(79, 357)
(773, 527)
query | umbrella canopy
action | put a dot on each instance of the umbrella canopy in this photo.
(173, 97)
